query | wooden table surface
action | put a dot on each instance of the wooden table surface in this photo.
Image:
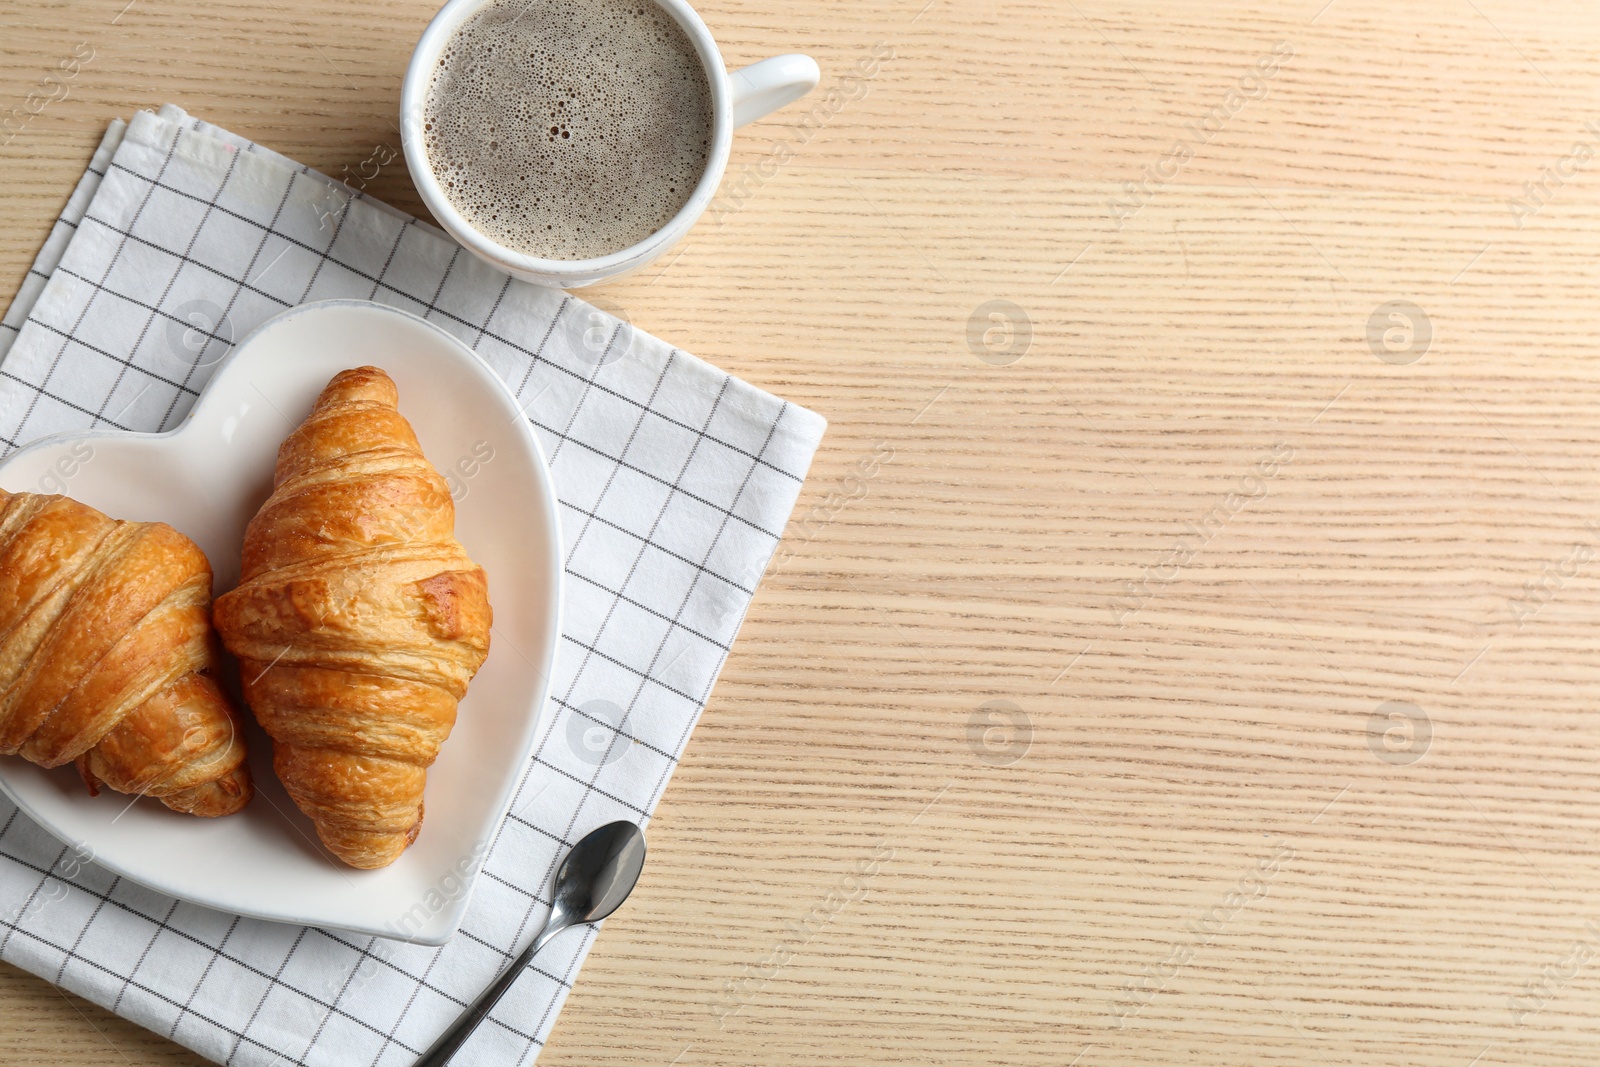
(1190, 658)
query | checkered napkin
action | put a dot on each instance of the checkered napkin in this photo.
(675, 482)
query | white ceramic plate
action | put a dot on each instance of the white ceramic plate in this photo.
(207, 478)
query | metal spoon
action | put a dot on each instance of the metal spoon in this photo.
(593, 881)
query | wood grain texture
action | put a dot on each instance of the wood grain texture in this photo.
(1187, 848)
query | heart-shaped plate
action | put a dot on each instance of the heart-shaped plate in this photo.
(207, 478)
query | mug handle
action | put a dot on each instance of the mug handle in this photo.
(764, 87)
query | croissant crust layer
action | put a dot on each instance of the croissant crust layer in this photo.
(108, 659)
(359, 619)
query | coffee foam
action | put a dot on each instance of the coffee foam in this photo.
(568, 129)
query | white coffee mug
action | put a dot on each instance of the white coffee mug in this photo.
(737, 98)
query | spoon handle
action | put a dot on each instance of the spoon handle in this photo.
(449, 1042)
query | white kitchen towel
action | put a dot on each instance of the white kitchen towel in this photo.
(675, 481)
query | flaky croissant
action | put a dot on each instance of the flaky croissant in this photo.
(107, 656)
(358, 620)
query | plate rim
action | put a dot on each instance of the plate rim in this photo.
(443, 924)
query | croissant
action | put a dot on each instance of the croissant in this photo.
(358, 620)
(107, 656)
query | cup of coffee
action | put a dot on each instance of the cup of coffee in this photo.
(569, 142)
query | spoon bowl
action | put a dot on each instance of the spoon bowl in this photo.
(600, 872)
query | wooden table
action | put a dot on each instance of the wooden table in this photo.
(1189, 659)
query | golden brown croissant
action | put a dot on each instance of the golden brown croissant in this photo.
(107, 654)
(358, 620)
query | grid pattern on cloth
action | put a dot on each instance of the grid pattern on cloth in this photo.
(674, 482)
